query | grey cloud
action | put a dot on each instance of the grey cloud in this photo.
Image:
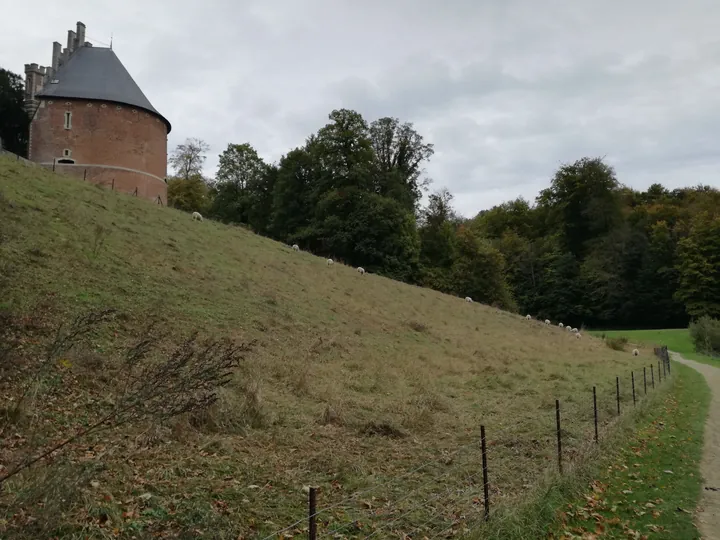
(505, 90)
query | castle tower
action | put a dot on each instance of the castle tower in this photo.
(90, 119)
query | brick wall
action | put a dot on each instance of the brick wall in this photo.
(100, 134)
(120, 180)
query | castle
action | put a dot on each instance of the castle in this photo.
(91, 120)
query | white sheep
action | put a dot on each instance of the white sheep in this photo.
(578, 335)
(528, 317)
(330, 262)
(468, 299)
(196, 216)
(547, 321)
(568, 328)
(561, 325)
(636, 352)
(296, 247)
(361, 270)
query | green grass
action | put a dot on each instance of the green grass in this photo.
(354, 380)
(676, 339)
(653, 486)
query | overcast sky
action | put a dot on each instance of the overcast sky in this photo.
(506, 90)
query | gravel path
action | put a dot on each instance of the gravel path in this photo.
(708, 511)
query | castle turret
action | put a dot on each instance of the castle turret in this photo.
(90, 119)
(34, 82)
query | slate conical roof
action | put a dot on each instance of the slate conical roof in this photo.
(97, 73)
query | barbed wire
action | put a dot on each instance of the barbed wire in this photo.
(358, 494)
(417, 507)
(408, 495)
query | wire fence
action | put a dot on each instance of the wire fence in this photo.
(468, 500)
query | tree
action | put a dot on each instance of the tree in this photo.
(364, 229)
(188, 158)
(14, 120)
(514, 215)
(241, 183)
(478, 271)
(437, 241)
(188, 194)
(400, 152)
(291, 208)
(583, 202)
(657, 280)
(342, 154)
(610, 272)
(560, 291)
(699, 267)
(261, 200)
(240, 165)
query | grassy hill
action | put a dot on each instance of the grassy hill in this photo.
(354, 381)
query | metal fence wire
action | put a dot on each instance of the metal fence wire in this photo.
(473, 493)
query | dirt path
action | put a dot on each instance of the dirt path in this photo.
(708, 511)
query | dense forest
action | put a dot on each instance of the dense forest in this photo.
(588, 251)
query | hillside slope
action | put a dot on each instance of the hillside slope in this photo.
(354, 380)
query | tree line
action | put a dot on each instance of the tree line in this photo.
(588, 250)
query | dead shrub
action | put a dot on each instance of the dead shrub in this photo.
(57, 491)
(331, 415)
(382, 429)
(152, 386)
(616, 344)
(226, 415)
(418, 418)
(154, 435)
(419, 413)
(252, 410)
(418, 327)
(300, 379)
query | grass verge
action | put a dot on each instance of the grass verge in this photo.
(623, 490)
(653, 484)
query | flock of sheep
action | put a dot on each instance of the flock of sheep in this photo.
(197, 216)
(570, 329)
(330, 262)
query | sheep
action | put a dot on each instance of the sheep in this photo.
(569, 328)
(196, 216)
(468, 299)
(574, 330)
(561, 325)
(296, 247)
(578, 335)
(547, 321)
(636, 352)
(330, 262)
(528, 317)
(361, 270)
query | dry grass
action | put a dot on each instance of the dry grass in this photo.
(354, 382)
